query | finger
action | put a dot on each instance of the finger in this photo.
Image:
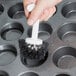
(26, 13)
(51, 13)
(26, 3)
(35, 14)
(53, 3)
(44, 15)
(47, 13)
(58, 2)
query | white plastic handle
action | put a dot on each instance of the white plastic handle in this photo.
(34, 39)
(36, 24)
(35, 30)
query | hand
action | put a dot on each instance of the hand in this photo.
(43, 10)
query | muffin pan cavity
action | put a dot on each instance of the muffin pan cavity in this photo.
(65, 57)
(45, 31)
(3, 73)
(16, 11)
(67, 32)
(12, 31)
(69, 10)
(8, 54)
(63, 75)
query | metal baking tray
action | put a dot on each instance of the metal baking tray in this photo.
(59, 32)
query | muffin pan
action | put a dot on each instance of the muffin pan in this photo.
(59, 32)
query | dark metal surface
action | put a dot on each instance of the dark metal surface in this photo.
(60, 33)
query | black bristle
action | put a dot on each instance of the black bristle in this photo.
(32, 54)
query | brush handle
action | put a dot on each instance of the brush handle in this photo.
(36, 24)
(35, 30)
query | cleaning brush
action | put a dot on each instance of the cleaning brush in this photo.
(34, 40)
(33, 51)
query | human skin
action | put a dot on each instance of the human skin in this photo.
(43, 10)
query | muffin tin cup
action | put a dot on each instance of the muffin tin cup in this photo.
(63, 74)
(16, 11)
(32, 57)
(45, 31)
(69, 10)
(33, 62)
(12, 31)
(8, 54)
(67, 32)
(3, 73)
(65, 57)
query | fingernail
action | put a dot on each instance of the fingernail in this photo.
(30, 22)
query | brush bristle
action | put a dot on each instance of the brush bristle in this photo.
(33, 51)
